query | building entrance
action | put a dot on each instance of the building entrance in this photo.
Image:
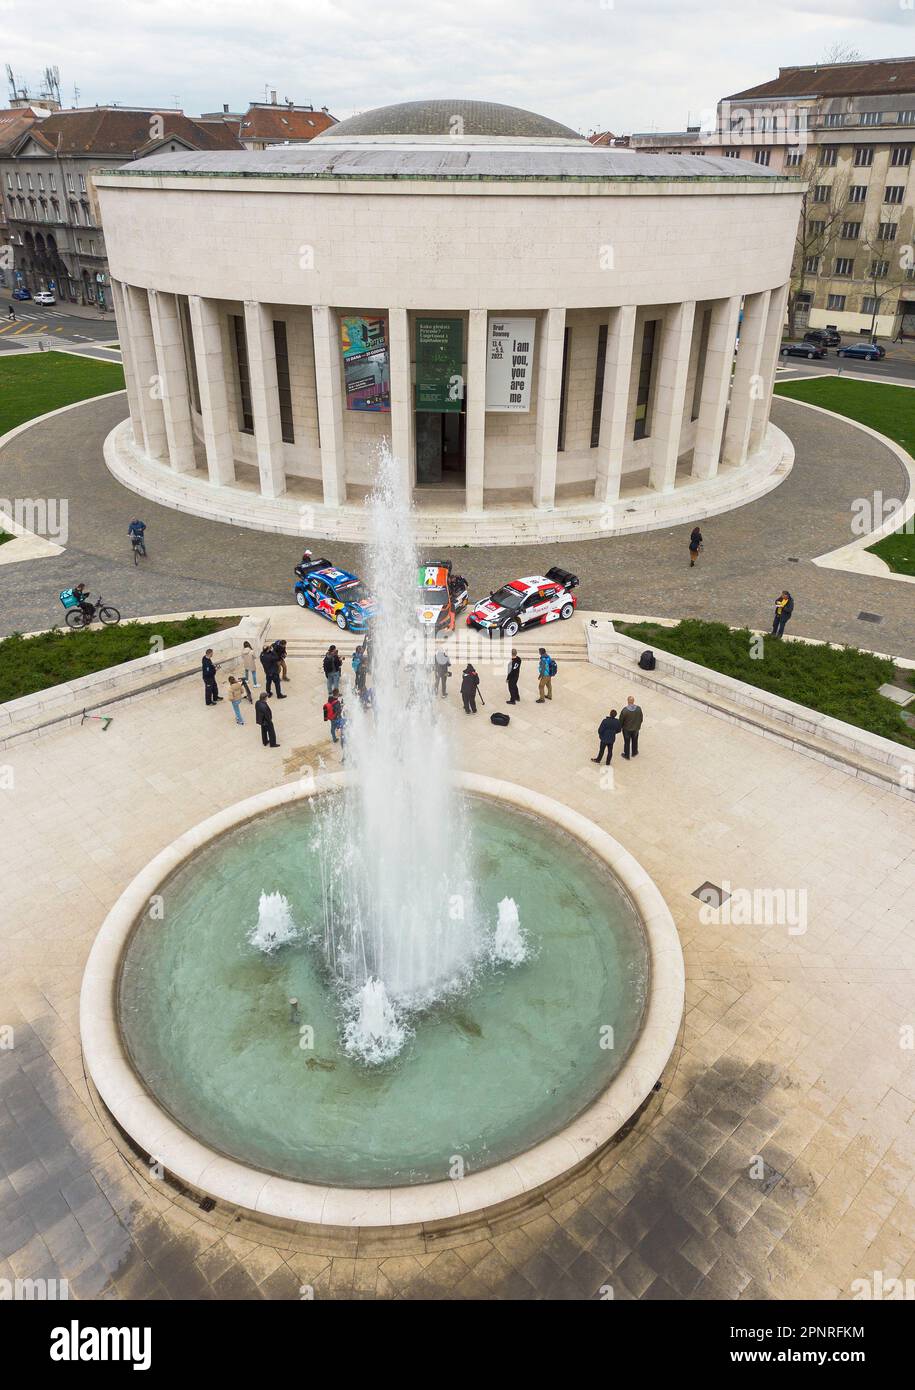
(440, 453)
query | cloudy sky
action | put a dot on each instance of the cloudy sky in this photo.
(621, 65)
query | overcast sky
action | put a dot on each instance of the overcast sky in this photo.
(621, 65)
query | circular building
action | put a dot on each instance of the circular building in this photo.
(541, 330)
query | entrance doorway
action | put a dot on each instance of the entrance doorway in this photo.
(440, 456)
(906, 319)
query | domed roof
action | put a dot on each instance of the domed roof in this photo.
(457, 118)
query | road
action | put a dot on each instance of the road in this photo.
(57, 322)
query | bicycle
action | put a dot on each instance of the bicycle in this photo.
(139, 548)
(107, 615)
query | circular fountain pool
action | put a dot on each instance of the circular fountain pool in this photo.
(498, 1088)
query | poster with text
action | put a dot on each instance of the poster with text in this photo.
(439, 364)
(509, 363)
(366, 365)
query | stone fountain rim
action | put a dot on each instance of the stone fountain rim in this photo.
(139, 1114)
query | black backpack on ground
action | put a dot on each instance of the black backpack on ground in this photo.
(647, 661)
(499, 718)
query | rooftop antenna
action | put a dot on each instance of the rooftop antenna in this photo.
(12, 81)
(176, 99)
(51, 78)
(76, 96)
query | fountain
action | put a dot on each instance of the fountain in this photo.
(275, 926)
(509, 946)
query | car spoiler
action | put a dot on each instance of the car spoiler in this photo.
(302, 570)
(563, 577)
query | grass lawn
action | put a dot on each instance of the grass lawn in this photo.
(841, 682)
(28, 664)
(887, 408)
(5, 536)
(40, 381)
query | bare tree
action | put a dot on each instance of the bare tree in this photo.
(840, 53)
(818, 229)
(883, 271)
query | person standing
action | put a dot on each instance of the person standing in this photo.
(250, 665)
(545, 672)
(630, 723)
(332, 668)
(784, 607)
(359, 668)
(279, 646)
(441, 666)
(695, 545)
(208, 671)
(271, 665)
(332, 709)
(607, 730)
(470, 686)
(236, 695)
(514, 674)
(264, 716)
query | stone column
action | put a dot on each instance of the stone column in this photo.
(670, 394)
(549, 391)
(214, 398)
(746, 386)
(130, 378)
(614, 410)
(772, 341)
(716, 384)
(176, 405)
(265, 398)
(402, 408)
(149, 391)
(329, 386)
(475, 407)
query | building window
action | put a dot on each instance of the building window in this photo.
(763, 156)
(812, 265)
(829, 155)
(869, 304)
(53, 183)
(870, 117)
(70, 182)
(563, 389)
(284, 390)
(82, 183)
(56, 206)
(894, 193)
(19, 182)
(879, 270)
(41, 183)
(74, 214)
(905, 118)
(844, 265)
(643, 394)
(851, 231)
(732, 154)
(793, 159)
(835, 301)
(599, 369)
(701, 356)
(901, 157)
(864, 156)
(9, 182)
(887, 231)
(246, 411)
(857, 193)
(834, 118)
(821, 193)
(79, 245)
(815, 228)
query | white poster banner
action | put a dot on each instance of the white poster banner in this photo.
(509, 364)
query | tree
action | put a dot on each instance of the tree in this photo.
(819, 226)
(883, 269)
(840, 53)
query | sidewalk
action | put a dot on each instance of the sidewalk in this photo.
(79, 311)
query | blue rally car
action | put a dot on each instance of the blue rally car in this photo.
(337, 595)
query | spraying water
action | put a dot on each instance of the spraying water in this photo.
(274, 923)
(509, 945)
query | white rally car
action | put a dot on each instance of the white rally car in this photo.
(526, 602)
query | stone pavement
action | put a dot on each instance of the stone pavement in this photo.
(792, 1050)
(751, 553)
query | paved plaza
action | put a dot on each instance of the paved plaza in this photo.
(791, 1050)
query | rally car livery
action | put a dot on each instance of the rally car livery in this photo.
(440, 596)
(337, 595)
(525, 602)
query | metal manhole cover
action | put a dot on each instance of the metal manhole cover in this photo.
(870, 618)
(710, 894)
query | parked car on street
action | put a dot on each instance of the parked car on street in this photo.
(826, 337)
(45, 297)
(802, 350)
(22, 293)
(867, 352)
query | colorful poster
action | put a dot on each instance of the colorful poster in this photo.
(440, 364)
(509, 363)
(366, 365)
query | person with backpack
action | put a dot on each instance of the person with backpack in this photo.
(441, 667)
(630, 722)
(333, 708)
(607, 730)
(695, 545)
(784, 607)
(470, 687)
(271, 665)
(545, 671)
(208, 671)
(514, 674)
(332, 668)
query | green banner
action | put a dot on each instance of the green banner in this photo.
(440, 364)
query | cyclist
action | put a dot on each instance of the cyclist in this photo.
(137, 531)
(77, 597)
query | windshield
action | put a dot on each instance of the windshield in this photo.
(354, 592)
(508, 598)
(429, 595)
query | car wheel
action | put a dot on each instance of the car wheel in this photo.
(810, 356)
(567, 610)
(784, 352)
(511, 628)
(341, 621)
(300, 599)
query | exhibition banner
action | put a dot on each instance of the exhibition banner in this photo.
(509, 363)
(439, 364)
(366, 365)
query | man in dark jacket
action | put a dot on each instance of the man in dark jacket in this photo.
(514, 672)
(784, 607)
(264, 716)
(332, 668)
(470, 685)
(208, 671)
(607, 730)
(630, 723)
(271, 664)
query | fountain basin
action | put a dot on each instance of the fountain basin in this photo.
(525, 1142)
